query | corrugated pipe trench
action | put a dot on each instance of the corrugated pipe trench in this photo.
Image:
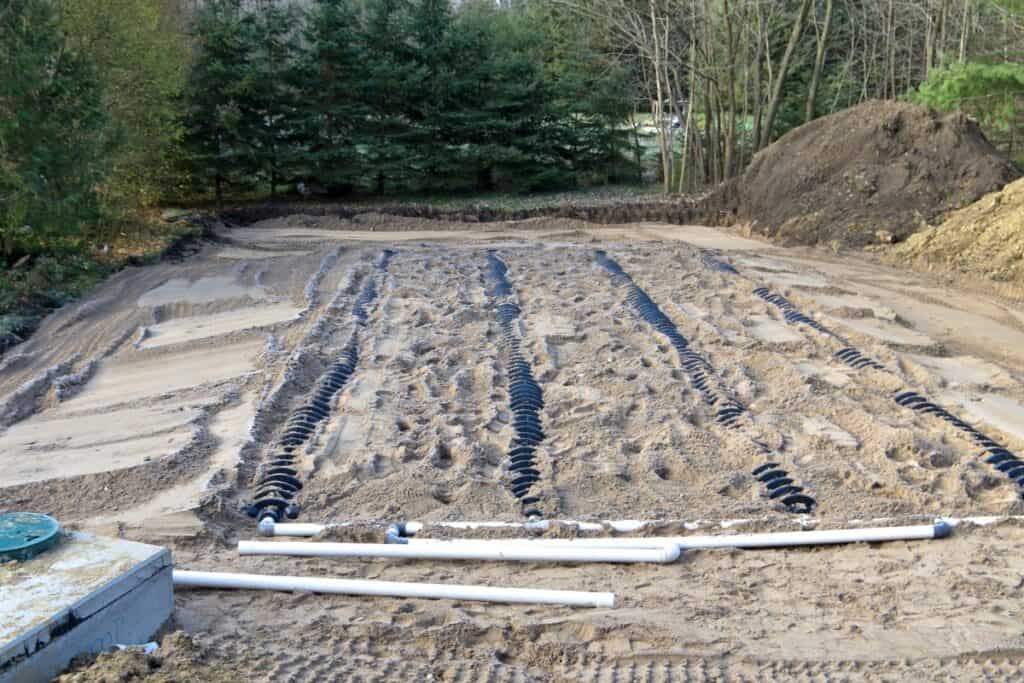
(525, 396)
(730, 414)
(278, 485)
(995, 453)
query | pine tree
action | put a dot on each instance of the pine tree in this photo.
(268, 107)
(216, 146)
(508, 126)
(330, 77)
(391, 73)
(435, 110)
(591, 98)
(52, 132)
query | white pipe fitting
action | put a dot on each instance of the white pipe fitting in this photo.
(391, 589)
(467, 550)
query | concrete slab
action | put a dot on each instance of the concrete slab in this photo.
(86, 595)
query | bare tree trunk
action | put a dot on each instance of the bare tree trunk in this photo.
(890, 36)
(780, 79)
(963, 32)
(819, 62)
(688, 131)
(659, 105)
(730, 85)
(758, 59)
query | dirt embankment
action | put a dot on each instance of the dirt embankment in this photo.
(877, 172)
(985, 239)
(684, 211)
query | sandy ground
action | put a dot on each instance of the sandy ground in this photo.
(147, 410)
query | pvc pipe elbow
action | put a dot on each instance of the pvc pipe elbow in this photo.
(266, 526)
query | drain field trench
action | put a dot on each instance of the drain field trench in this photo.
(381, 369)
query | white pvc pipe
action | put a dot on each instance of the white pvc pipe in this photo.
(920, 532)
(391, 589)
(466, 550)
(625, 526)
(765, 540)
(291, 529)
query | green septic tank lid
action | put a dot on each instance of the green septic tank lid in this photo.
(23, 535)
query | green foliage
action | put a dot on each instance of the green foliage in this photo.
(268, 110)
(52, 134)
(141, 58)
(218, 88)
(330, 75)
(992, 93)
(398, 95)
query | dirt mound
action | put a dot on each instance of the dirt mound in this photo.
(180, 659)
(986, 239)
(872, 173)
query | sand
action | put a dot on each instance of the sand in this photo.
(421, 430)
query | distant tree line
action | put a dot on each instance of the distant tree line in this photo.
(395, 95)
(107, 106)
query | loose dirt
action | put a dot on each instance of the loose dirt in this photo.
(874, 173)
(161, 435)
(984, 240)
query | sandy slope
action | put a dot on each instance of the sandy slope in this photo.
(151, 406)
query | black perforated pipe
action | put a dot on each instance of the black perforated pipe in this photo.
(729, 412)
(278, 485)
(525, 396)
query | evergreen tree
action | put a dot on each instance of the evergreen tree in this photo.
(391, 74)
(510, 131)
(52, 133)
(434, 107)
(216, 144)
(592, 98)
(268, 107)
(330, 76)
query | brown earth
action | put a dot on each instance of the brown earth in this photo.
(985, 239)
(877, 172)
(180, 659)
(147, 409)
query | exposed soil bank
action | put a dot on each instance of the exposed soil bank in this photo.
(676, 212)
(873, 173)
(986, 239)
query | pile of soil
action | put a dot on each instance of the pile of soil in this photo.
(877, 172)
(986, 239)
(179, 659)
